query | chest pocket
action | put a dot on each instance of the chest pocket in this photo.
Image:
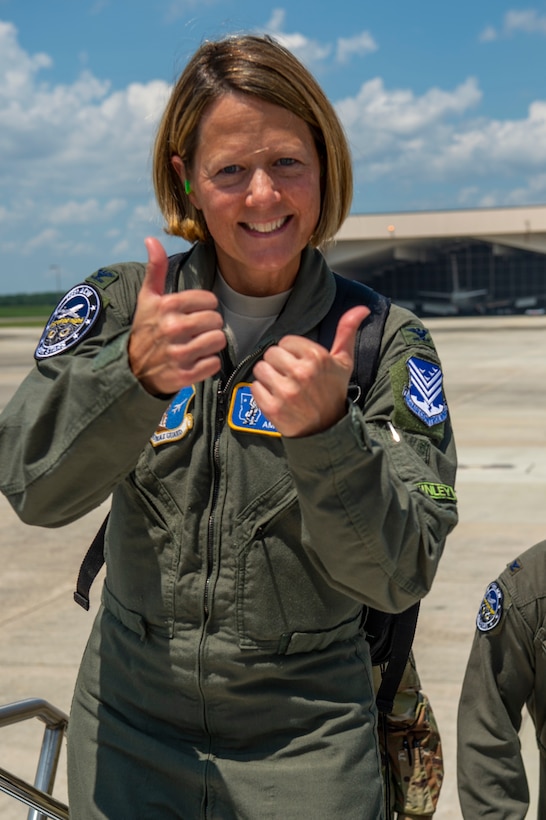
(283, 603)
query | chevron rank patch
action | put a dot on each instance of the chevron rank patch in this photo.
(245, 415)
(71, 320)
(490, 611)
(424, 395)
(177, 421)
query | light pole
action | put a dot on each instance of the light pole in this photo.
(56, 269)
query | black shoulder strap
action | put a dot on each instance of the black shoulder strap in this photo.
(368, 339)
(90, 566)
(404, 627)
(173, 274)
(367, 346)
(94, 557)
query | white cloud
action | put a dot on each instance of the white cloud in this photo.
(78, 136)
(534, 191)
(399, 113)
(314, 54)
(310, 52)
(468, 195)
(45, 239)
(499, 147)
(75, 158)
(73, 212)
(528, 21)
(17, 68)
(146, 214)
(179, 8)
(120, 249)
(99, 6)
(358, 45)
(488, 34)
(401, 139)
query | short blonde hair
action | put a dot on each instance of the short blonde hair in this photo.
(261, 67)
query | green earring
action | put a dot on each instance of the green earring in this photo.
(187, 186)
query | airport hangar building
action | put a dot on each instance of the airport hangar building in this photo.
(489, 260)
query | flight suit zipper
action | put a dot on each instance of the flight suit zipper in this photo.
(223, 391)
(219, 423)
(222, 394)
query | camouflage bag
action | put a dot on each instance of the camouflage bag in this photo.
(414, 770)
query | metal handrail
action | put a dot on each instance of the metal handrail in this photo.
(41, 804)
(38, 796)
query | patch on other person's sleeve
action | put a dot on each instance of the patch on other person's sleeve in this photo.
(491, 608)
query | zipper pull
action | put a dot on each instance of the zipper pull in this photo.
(221, 404)
(394, 432)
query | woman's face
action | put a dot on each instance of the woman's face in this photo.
(256, 178)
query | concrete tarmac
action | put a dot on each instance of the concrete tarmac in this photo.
(495, 372)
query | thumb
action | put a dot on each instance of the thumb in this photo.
(343, 345)
(156, 269)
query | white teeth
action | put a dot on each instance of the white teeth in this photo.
(266, 227)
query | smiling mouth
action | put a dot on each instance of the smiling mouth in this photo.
(267, 227)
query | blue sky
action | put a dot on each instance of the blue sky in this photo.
(444, 105)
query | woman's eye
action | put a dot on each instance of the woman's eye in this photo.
(230, 169)
(286, 161)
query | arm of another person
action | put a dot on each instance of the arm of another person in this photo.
(498, 681)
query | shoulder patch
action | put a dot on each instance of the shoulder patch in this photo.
(177, 421)
(404, 416)
(103, 277)
(245, 415)
(424, 394)
(491, 608)
(71, 320)
(439, 492)
(416, 335)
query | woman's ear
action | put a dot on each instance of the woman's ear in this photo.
(180, 169)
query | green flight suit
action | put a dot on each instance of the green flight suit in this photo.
(506, 670)
(227, 673)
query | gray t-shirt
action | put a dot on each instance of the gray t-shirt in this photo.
(246, 318)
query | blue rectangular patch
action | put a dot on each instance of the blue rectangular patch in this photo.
(245, 415)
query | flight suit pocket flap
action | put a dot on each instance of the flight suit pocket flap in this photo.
(313, 641)
(132, 620)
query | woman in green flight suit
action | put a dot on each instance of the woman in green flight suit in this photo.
(255, 511)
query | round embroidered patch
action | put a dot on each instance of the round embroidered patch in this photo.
(490, 611)
(71, 320)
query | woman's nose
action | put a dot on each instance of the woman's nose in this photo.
(262, 189)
